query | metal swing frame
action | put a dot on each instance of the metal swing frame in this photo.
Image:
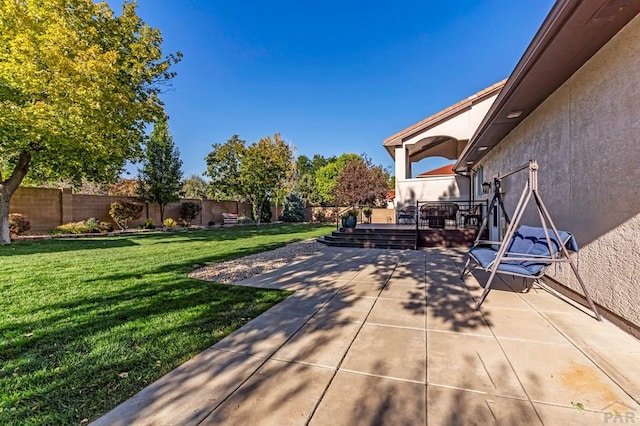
(557, 256)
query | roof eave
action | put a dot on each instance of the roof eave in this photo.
(553, 39)
(398, 138)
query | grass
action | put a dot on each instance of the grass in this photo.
(87, 323)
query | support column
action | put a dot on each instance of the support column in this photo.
(66, 205)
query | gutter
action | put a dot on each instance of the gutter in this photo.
(540, 41)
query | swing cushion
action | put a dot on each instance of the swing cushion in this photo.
(527, 241)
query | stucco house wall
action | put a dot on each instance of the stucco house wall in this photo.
(456, 123)
(586, 138)
(433, 188)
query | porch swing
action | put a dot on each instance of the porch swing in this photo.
(526, 251)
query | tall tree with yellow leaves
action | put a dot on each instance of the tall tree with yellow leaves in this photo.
(77, 86)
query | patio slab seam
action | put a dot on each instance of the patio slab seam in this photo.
(382, 376)
(587, 409)
(569, 302)
(479, 392)
(404, 327)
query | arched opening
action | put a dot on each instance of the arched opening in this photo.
(427, 164)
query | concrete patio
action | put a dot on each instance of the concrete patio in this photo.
(390, 337)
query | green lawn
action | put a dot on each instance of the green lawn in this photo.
(86, 323)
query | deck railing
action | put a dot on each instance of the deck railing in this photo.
(450, 214)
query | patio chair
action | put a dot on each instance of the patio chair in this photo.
(406, 213)
(472, 216)
(436, 214)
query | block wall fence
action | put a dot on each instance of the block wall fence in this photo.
(47, 208)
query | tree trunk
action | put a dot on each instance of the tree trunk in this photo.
(4, 216)
(161, 213)
(7, 188)
(257, 213)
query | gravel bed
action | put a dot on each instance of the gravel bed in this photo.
(244, 267)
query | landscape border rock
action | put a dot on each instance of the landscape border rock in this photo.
(235, 270)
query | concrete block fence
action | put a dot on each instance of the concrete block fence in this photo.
(47, 208)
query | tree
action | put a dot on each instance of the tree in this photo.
(223, 167)
(305, 179)
(304, 166)
(251, 173)
(327, 175)
(320, 161)
(124, 188)
(308, 191)
(189, 211)
(123, 212)
(293, 208)
(360, 183)
(391, 181)
(159, 180)
(194, 187)
(77, 85)
(265, 168)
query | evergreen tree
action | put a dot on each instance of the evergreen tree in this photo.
(293, 208)
(160, 178)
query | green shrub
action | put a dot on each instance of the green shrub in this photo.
(367, 212)
(18, 224)
(348, 213)
(148, 224)
(91, 225)
(169, 223)
(124, 212)
(97, 226)
(72, 228)
(293, 209)
(105, 227)
(188, 212)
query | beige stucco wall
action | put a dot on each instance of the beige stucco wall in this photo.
(434, 188)
(586, 138)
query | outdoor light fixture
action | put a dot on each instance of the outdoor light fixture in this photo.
(515, 114)
(486, 187)
(483, 148)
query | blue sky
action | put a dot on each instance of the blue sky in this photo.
(330, 76)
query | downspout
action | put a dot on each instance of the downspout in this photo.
(468, 175)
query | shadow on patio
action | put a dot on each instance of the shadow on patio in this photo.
(391, 337)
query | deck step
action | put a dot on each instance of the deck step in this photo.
(371, 238)
(366, 244)
(390, 238)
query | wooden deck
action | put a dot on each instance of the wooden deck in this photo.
(427, 237)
